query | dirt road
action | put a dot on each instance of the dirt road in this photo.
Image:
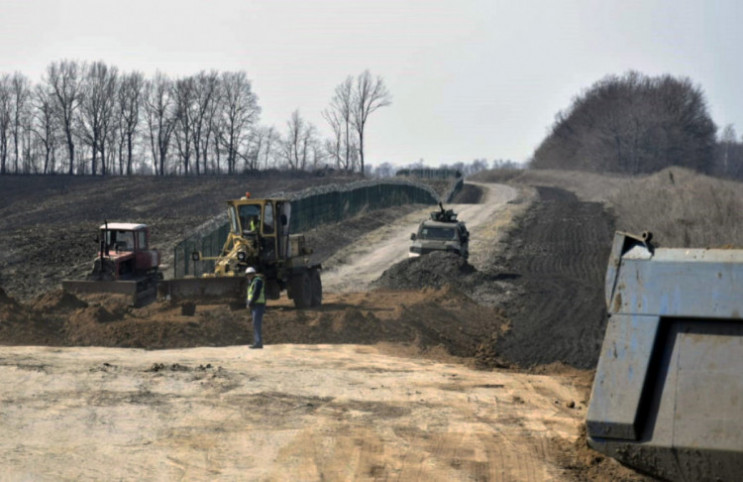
(289, 412)
(355, 267)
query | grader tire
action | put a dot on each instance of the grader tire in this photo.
(302, 290)
(316, 287)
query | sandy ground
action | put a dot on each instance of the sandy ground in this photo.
(356, 266)
(289, 412)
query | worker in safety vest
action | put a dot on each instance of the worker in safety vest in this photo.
(254, 224)
(256, 302)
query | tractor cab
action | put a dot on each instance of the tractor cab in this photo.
(125, 265)
(124, 251)
(124, 237)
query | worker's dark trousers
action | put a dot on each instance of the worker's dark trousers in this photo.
(257, 314)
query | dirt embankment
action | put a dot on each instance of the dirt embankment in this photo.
(427, 321)
(558, 256)
(547, 282)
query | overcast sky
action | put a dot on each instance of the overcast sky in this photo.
(469, 79)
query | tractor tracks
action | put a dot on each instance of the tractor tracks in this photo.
(559, 251)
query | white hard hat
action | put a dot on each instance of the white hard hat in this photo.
(250, 270)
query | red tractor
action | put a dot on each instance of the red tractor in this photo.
(124, 265)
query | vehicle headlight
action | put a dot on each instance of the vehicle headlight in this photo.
(241, 256)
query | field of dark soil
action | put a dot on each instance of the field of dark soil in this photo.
(48, 223)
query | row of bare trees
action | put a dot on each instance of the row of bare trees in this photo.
(386, 169)
(90, 118)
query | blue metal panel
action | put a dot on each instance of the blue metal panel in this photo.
(668, 392)
(621, 376)
(688, 283)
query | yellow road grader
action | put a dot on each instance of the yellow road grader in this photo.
(259, 236)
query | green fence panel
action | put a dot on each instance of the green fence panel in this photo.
(314, 206)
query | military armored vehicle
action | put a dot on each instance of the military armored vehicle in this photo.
(442, 232)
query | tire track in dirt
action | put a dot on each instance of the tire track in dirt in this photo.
(560, 252)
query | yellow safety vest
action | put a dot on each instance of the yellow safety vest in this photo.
(251, 290)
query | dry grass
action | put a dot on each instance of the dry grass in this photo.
(681, 207)
(587, 186)
(496, 175)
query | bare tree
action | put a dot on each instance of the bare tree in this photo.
(632, 124)
(266, 155)
(203, 90)
(161, 120)
(370, 95)
(97, 115)
(301, 144)
(96, 110)
(340, 116)
(727, 144)
(384, 170)
(45, 127)
(64, 79)
(130, 99)
(21, 91)
(6, 116)
(240, 111)
(184, 95)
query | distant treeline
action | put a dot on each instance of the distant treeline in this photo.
(90, 118)
(638, 124)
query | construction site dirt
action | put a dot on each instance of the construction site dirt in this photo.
(435, 367)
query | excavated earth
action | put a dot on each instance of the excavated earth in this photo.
(557, 256)
(535, 304)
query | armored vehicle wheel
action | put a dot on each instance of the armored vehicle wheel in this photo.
(302, 290)
(316, 287)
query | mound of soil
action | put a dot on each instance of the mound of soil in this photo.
(57, 300)
(470, 194)
(433, 319)
(434, 270)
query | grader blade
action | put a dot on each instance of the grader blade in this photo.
(668, 392)
(205, 290)
(137, 292)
